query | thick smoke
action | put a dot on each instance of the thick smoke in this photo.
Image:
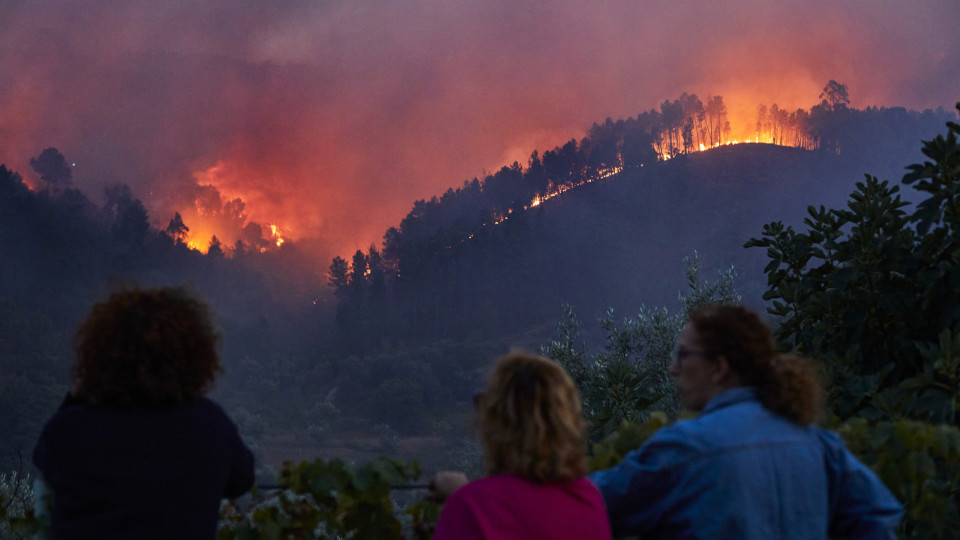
(328, 118)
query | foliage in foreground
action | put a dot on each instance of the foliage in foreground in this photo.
(328, 499)
(873, 290)
(16, 506)
(628, 377)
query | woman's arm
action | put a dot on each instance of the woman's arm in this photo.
(860, 505)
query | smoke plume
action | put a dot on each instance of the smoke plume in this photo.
(328, 118)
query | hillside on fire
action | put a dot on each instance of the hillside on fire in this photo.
(605, 222)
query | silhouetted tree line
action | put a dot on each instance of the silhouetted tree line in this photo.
(66, 247)
(399, 290)
(60, 253)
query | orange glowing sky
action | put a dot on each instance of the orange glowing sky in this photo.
(329, 118)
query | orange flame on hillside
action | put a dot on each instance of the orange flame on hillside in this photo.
(219, 211)
(276, 235)
(555, 191)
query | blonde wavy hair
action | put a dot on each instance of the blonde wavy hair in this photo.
(531, 421)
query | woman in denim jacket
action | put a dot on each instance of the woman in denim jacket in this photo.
(752, 465)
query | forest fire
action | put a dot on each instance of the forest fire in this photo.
(703, 148)
(204, 235)
(664, 150)
(323, 130)
(230, 207)
(218, 217)
(201, 234)
(250, 186)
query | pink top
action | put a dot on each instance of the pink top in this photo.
(507, 506)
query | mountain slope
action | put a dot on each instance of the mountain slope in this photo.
(616, 243)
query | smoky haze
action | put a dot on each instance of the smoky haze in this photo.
(328, 118)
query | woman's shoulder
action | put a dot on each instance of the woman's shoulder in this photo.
(207, 406)
(513, 483)
(205, 411)
(71, 411)
(80, 415)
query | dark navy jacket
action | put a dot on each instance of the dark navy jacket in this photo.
(157, 472)
(740, 471)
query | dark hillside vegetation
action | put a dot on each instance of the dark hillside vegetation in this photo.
(616, 243)
(499, 254)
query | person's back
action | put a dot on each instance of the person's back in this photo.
(753, 465)
(507, 506)
(136, 451)
(740, 471)
(534, 440)
(158, 472)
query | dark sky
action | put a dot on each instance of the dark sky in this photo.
(329, 118)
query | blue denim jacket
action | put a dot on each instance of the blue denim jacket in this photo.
(740, 471)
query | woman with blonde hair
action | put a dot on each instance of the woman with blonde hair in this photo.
(535, 450)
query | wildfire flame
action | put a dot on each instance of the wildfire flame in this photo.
(556, 191)
(276, 235)
(200, 235)
(220, 209)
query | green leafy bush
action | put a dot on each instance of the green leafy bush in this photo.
(16, 506)
(920, 463)
(873, 290)
(324, 499)
(628, 377)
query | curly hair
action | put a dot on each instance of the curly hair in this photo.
(786, 384)
(531, 422)
(144, 347)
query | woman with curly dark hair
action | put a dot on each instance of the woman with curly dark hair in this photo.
(534, 440)
(752, 465)
(136, 450)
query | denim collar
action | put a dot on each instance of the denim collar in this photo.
(730, 397)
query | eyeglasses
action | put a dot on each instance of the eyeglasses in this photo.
(682, 353)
